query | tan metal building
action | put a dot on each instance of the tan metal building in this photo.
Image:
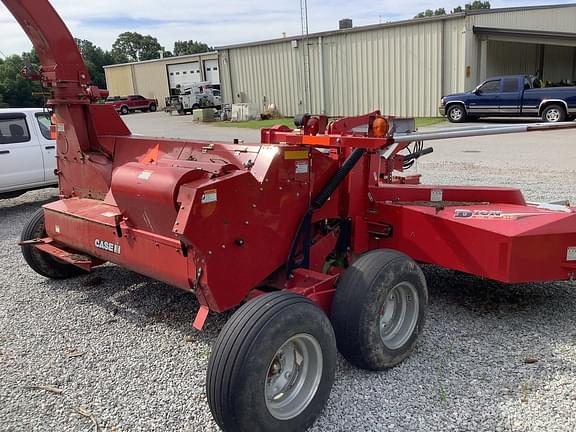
(403, 68)
(156, 78)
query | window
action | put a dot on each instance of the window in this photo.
(14, 130)
(490, 87)
(177, 73)
(215, 68)
(527, 84)
(171, 73)
(184, 73)
(44, 123)
(208, 69)
(510, 85)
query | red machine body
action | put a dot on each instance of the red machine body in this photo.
(229, 221)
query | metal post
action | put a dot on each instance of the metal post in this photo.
(483, 58)
(321, 70)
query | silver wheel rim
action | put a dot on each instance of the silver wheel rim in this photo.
(399, 315)
(293, 376)
(553, 115)
(456, 114)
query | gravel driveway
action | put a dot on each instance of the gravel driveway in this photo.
(117, 349)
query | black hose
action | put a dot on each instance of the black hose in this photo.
(337, 179)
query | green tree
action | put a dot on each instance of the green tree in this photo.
(430, 12)
(15, 90)
(475, 5)
(96, 58)
(190, 47)
(136, 47)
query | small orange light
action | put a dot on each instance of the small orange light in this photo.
(380, 127)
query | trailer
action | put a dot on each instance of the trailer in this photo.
(317, 233)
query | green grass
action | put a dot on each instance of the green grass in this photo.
(428, 121)
(257, 124)
(289, 121)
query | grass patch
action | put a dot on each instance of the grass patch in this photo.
(257, 124)
(289, 121)
(428, 121)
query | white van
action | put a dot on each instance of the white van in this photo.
(27, 153)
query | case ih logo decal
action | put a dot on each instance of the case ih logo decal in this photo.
(107, 246)
(492, 214)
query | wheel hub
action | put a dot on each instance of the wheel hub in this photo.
(456, 114)
(553, 115)
(293, 376)
(399, 315)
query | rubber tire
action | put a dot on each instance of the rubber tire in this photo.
(560, 108)
(242, 355)
(195, 107)
(453, 107)
(152, 107)
(124, 110)
(40, 262)
(359, 298)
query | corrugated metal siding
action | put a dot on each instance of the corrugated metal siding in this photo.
(511, 58)
(454, 52)
(554, 19)
(396, 69)
(151, 80)
(559, 63)
(264, 74)
(558, 19)
(119, 80)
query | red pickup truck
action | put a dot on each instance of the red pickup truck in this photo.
(126, 104)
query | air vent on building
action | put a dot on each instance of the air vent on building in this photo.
(345, 23)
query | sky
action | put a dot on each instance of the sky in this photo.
(221, 22)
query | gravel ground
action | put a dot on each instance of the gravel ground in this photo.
(121, 351)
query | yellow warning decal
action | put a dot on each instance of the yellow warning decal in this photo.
(295, 154)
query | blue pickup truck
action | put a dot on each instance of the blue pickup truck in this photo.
(511, 96)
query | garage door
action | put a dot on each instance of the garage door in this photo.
(184, 74)
(212, 72)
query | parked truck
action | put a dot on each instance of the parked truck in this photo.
(511, 96)
(197, 96)
(27, 151)
(127, 104)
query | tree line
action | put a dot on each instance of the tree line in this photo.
(475, 5)
(16, 91)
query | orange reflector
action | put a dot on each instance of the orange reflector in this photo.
(151, 155)
(316, 140)
(380, 127)
(53, 133)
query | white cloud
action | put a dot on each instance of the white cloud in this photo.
(216, 23)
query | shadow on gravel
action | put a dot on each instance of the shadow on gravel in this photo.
(23, 203)
(134, 299)
(484, 296)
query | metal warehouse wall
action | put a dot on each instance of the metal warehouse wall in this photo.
(148, 78)
(119, 80)
(400, 69)
(551, 19)
(558, 19)
(506, 58)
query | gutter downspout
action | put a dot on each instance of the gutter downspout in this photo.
(321, 70)
(229, 64)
